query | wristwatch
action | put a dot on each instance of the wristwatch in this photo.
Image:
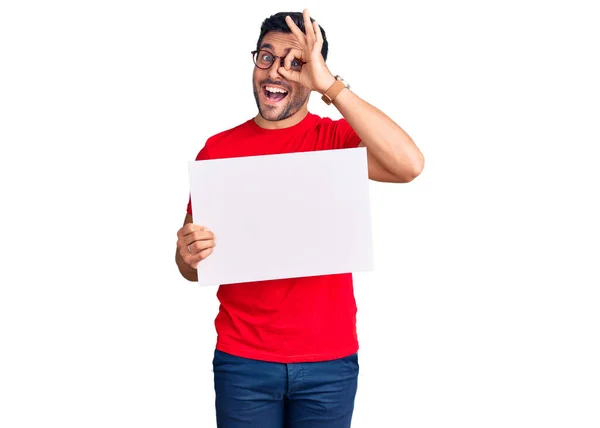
(334, 90)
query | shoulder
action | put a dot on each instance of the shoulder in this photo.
(317, 120)
(217, 141)
(225, 135)
(335, 133)
(328, 122)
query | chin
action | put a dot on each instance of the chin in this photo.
(274, 113)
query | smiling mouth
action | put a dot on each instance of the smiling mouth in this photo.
(274, 94)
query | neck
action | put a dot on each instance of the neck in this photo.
(280, 124)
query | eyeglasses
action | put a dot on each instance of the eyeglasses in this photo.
(264, 60)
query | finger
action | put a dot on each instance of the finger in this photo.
(198, 236)
(205, 253)
(190, 228)
(296, 31)
(310, 34)
(291, 75)
(194, 261)
(292, 55)
(185, 240)
(319, 43)
(199, 242)
(198, 246)
(317, 29)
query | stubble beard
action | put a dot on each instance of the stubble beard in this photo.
(293, 105)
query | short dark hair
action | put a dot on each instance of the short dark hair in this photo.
(277, 23)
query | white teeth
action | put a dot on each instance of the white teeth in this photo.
(276, 90)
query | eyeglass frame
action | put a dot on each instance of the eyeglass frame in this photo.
(281, 59)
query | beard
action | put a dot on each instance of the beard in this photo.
(282, 111)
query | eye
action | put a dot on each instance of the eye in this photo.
(296, 64)
(266, 57)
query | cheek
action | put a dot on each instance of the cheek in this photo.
(300, 91)
(254, 77)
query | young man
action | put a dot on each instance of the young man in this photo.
(286, 353)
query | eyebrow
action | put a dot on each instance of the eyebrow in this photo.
(269, 46)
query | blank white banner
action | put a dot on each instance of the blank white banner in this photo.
(283, 216)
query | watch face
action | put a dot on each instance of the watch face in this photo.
(338, 77)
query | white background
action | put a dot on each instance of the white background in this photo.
(483, 309)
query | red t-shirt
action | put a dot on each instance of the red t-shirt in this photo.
(287, 320)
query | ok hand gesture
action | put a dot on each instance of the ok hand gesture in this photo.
(314, 74)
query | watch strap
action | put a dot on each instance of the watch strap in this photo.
(333, 91)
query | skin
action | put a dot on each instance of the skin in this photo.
(392, 155)
(294, 106)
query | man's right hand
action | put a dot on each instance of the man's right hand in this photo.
(194, 244)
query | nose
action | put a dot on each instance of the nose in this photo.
(273, 73)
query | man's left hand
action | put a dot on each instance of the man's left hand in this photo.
(314, 73)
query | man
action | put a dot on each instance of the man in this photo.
(286, 353)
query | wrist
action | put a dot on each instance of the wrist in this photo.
(338, 85)
(326, 84)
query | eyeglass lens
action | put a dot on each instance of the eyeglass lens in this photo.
(264, 59)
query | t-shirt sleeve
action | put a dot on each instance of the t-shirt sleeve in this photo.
(347, 136)
(337, 134)
(202, 155)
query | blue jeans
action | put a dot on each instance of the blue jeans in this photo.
(259, 394)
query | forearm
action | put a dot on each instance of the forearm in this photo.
(386, 142)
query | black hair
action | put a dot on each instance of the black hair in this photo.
(277, 23)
